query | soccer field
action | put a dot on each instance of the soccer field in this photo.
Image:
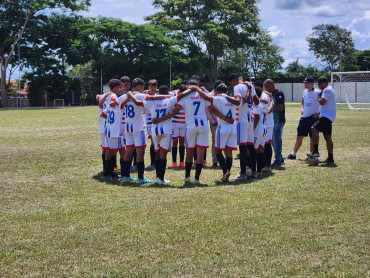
(60, 217)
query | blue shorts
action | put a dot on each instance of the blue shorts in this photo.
(304, 126)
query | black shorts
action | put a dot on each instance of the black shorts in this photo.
(323, 125)
(304, 126)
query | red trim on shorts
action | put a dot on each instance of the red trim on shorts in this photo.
(140, 147)
(105, 148)
(165, 150)
(202, 147)
(231, 148)
(118, 149)
(263, 147)
(182, 137)
(174, 137)
(129, 146)
(219, 149)
(250, 143)
(237, 96)
(190, 148)
(149, 136)
(156, 151)
(243, 144)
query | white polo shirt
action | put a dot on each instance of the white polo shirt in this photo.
(328, 110)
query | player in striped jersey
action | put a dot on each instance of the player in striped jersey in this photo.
(152, 90)
(178, 134)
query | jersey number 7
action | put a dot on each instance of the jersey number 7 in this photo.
(197, 104)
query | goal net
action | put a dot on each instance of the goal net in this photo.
(58, 102)
(352, 88)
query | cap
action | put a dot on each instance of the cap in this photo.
(308, 79)
(322, 79)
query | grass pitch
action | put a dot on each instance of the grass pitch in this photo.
(59, 217)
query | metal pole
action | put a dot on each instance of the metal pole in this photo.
(101, 78)
(170, 73)
(19, 77)
(340, 59)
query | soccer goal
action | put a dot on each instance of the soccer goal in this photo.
(353, 88)
(58, 102)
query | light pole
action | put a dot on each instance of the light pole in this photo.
(19, 78)
(170, 73)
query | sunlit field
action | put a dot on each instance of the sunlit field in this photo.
(59, 217)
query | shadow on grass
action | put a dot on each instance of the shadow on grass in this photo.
(328, 165)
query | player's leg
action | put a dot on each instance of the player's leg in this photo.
(252, 158)
(329, 142)
(213, 132)
(316, 127)
(202, 143)
(260, 160)
(277, 143)
(175, 139)
(220, 144)
(165, 148)
(156, 139)
(190, 141)
(243, 153)
(140, 145)
(182, 147)
(130, 147)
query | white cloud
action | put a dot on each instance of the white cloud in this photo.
(357, 35)
(273, 31)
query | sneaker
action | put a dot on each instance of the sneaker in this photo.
(116, 170)
(195, 181)
(174, 164)
(254, 176)
(186, 179)
(248, 171)
(329, 161)
(144, 180)
(290, 156)
(182, 164)
(282, 162)
(152, 166)
(239, 178)
(236, 157)
(266, 169)
(226, 176)
(128, 178)
(110, 177)
(313, 154)
(276, 164)
(159, 181)
(214, 165)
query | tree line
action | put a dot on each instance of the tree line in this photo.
(66, 52)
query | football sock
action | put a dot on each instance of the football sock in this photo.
(229, 163)
(122, 162)
(293, 153)
(253, 157)
(188, 169)
(198, 170)
(182, 153)
(221, 161)
(330, 156)
(152, 155)
(127, 165)
(140, 170)
(157, 168)
(260, 162)
(268, 154)
(162, 165)
(114, 161)
(174, 154)
(205, 154)
(134, 156)
(103, 158)
(243, 159)
(316, 148)
(108, 165)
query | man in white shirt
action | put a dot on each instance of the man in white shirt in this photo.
(310, 111)
(327, 116)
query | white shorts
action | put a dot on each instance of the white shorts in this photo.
(136, 139)
(226, 137)
(178, 131)
(259, 134)
(103, 143)
(268, 135)
(163, 142)
(197, 137)
(245, 133)
(123, 132)
(149, 131)
(115, 143)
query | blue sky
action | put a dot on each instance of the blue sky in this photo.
(288, 21)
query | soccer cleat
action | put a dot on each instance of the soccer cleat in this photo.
(174, 164)
(254, 176)
(110, 177)
(128, 179)
(182, 164)
(186, 179)
(159, 181)
(240, 178)
(152, 166)
(329, 161)
(226, 176)
(236, 157)
(144, 180)
(266, 169)
(290, 156)
(276, 164)
(195, 181)
(313, 154)
(116, 170)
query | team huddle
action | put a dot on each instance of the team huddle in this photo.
(180, 118)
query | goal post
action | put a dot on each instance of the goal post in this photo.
(352, 88)
(58, 102)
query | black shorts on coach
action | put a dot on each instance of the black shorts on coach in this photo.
(323, 125)
(304, 126)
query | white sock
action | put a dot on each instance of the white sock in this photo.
(293, 153)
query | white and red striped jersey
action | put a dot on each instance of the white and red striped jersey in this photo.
(179, 119)
(160, 108)
(243, 112)
(102, 121)
(225, 107)
(195, 109)
(134, 114)
(114, 118)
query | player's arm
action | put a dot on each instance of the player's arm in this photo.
(256, 120)
(322, 101)
(183, 94)
(168, 116)
(279, 107)
(201, 93)
(302, 105)
(134, 99)
(123, 103)
(234, 100)
(248, 97)
(220, 115)
(101, 102)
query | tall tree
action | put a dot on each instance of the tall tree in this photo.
(14, 18)
(329, 42)
(215, 24)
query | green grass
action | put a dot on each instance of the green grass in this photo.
(59, 217)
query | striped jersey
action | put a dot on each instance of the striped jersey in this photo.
(102, 121)
(114, 118)
(243, 112)
(134, 114)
